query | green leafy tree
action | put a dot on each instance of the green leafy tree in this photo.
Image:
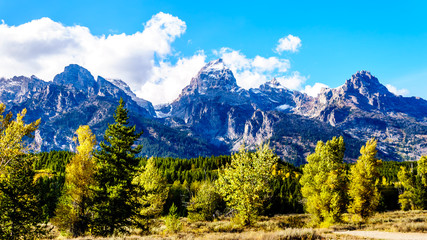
(151, 194)
(324, 182)
(415, 188)
(21, 216)
(204, 203)
(73, 212)
(117, 165)
(245, 182)
(363, 191)
(422, 170)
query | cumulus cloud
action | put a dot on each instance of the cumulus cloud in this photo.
(393, 89)
(44, 47)
(289, 43)
(315, 89)
(252, 72)
(145, 60)
(293, 82)
(168, 80)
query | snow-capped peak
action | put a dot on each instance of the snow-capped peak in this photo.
(216, 65)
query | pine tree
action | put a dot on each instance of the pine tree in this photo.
(151, 194)
(245, 183)
(21, 216)
(324, 182)
(363, 192)
(73, 212)
(117, 165)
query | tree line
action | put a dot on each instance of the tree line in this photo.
(110, 189)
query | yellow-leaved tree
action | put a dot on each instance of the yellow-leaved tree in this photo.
(12, 133)
(324, 182)
(151, 194)
(73, 211)
(245, 182)
(363, 191)
(21, 216)
(414, 182)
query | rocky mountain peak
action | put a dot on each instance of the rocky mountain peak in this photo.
(274, 83)
(366, 84)
(122, 85)
(141, 102)
(214, 75)
(78, 77)
(215, 65)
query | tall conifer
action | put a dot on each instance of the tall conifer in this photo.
(117, 165)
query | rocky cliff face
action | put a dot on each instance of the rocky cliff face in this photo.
(364, 108)
(74, 98)
(214, 108)
(213, 115)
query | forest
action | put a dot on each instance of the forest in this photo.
(108, 189)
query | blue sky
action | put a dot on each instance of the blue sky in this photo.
(338, 38)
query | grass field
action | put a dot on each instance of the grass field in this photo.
(283, 227)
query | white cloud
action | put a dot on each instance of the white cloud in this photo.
(168, 80)
(393, 89)
(288, 43)
(252, 72)
(143, 60)
(294, 81)
(315, 89)
(44, 47)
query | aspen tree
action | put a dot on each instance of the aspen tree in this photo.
(363, 192)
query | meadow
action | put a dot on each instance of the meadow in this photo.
(289, 226)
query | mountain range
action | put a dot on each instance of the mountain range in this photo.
(214, 116)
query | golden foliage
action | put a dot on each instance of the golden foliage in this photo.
(12, 133)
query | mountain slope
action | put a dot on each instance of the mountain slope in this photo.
(74, 98)
(364, 108)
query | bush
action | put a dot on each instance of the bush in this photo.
(172, 220)
(203, 205)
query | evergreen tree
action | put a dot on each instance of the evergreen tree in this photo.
(363, 192)
(72, 213)
(245, 182)
(117, 165)
(324, 182)
(21, 216)
(151, 194)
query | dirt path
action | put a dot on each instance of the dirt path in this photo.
(386, 235)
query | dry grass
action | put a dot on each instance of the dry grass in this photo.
(399, 221)
(283, 227)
